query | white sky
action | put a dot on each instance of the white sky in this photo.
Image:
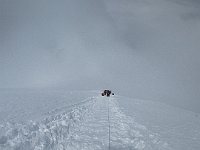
(140, 48)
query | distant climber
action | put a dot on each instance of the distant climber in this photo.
(107, 93)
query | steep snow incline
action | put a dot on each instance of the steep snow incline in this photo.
(178, 127)
(85, 126)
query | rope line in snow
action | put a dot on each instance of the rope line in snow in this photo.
(108, 126)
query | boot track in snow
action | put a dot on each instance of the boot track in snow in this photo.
(97, 123)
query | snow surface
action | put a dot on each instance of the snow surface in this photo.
(83, 121)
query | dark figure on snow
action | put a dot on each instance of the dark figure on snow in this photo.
(107, 93)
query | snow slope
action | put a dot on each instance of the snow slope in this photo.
(96, 122)
(19, 105)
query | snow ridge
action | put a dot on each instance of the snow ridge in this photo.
(85, 126)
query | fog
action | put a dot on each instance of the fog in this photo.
(47, 43)
(138, 48)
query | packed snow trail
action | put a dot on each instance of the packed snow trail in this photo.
(127, 134)
(84, 127)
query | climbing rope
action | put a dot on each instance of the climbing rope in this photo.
(108, 126)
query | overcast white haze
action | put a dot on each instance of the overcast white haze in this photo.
(56, 57)
(139, 48)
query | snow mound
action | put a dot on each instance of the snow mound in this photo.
(52, 133)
